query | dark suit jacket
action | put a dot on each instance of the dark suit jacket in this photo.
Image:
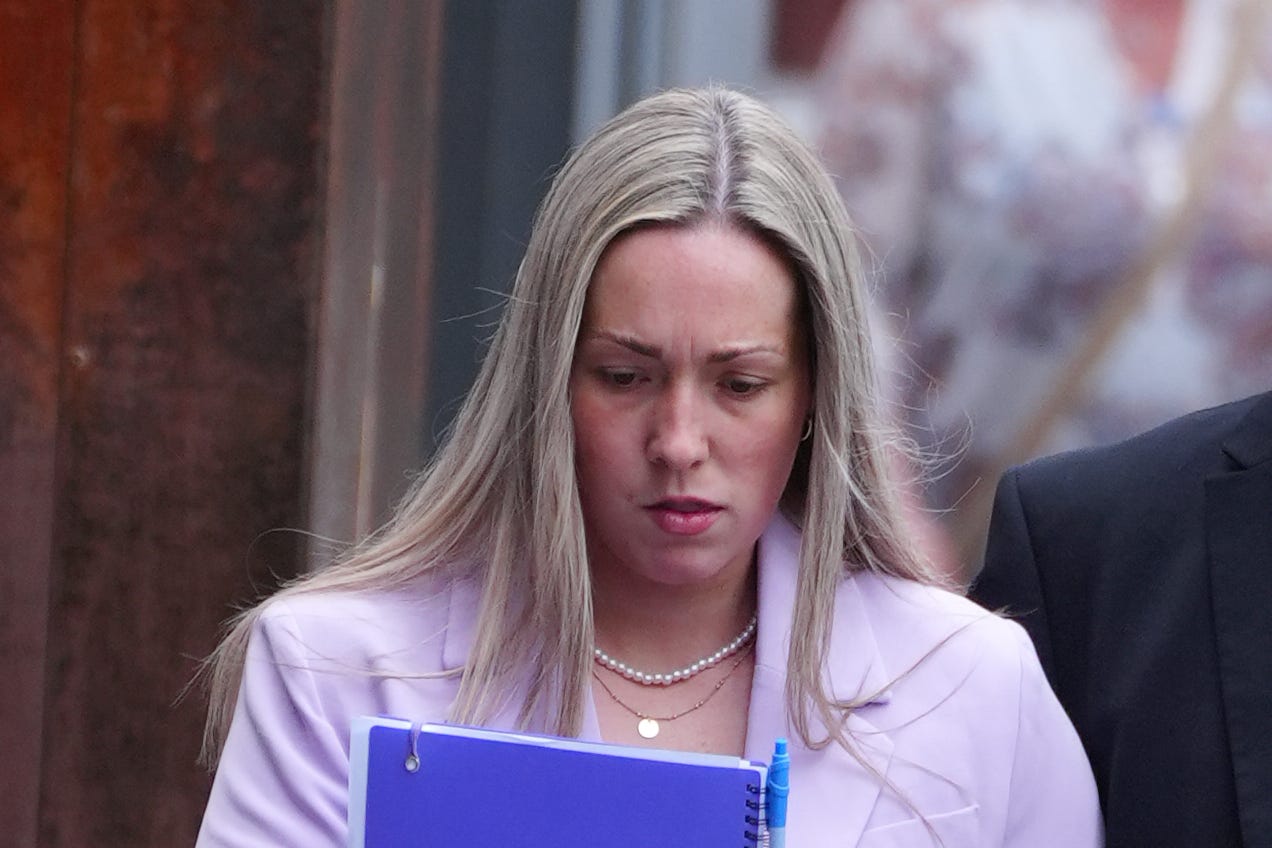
(1143, 572)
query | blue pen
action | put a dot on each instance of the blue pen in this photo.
(779, 786)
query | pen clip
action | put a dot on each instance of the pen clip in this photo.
(413, 756)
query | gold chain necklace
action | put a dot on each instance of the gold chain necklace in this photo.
(648, 726)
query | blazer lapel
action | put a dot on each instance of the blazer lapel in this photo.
(461, 628)
(1239, 542)
(832, 793)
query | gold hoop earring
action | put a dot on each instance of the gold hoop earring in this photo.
(808, 429)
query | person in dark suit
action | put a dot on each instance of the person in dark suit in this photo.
(1143, 573)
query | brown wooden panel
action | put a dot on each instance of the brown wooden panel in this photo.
(801, 29)
(36, 50)
(191, 256)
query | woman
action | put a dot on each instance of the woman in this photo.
(670, 465)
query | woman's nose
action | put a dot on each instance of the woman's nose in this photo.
(678, 438)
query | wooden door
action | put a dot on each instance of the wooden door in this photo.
(160, 203)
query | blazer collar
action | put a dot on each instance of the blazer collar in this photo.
(461, 634)
(832, 794)
(461, 623)
(1239, 547)
(1250, 442)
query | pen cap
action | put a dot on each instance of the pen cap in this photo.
(779, 769)
(777, 788)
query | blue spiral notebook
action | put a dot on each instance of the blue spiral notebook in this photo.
(447, 786)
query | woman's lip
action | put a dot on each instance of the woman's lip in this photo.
(685, 505)
(684, 517)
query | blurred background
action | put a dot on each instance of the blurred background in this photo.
(249, 254)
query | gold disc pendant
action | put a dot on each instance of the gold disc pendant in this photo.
(647, 727)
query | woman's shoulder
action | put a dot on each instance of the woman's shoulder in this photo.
(316, 659)
(905, 598)
(971, 719)
(416, 626)
(913, 621)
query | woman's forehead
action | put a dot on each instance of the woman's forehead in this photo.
(711, 284)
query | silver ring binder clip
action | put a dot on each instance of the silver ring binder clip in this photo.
(413, 756)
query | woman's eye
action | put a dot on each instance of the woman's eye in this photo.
(620, 379)
(742, 387)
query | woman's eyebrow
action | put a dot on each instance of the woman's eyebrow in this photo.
(629, 342)
(727, 354)
(731, 353)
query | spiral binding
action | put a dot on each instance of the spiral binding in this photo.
(752, 837)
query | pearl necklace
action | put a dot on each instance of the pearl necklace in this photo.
(682, 674)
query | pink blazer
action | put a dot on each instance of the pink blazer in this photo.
(965, 728)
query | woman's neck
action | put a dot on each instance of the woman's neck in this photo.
(655, 627)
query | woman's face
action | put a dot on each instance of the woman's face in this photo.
(689, 393)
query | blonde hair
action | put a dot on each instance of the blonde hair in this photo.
(500, 502)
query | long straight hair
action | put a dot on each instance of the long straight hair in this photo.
(499, 502)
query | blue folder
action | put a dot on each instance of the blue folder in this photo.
(447, 786)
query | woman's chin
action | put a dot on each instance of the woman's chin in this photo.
(690, 572)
